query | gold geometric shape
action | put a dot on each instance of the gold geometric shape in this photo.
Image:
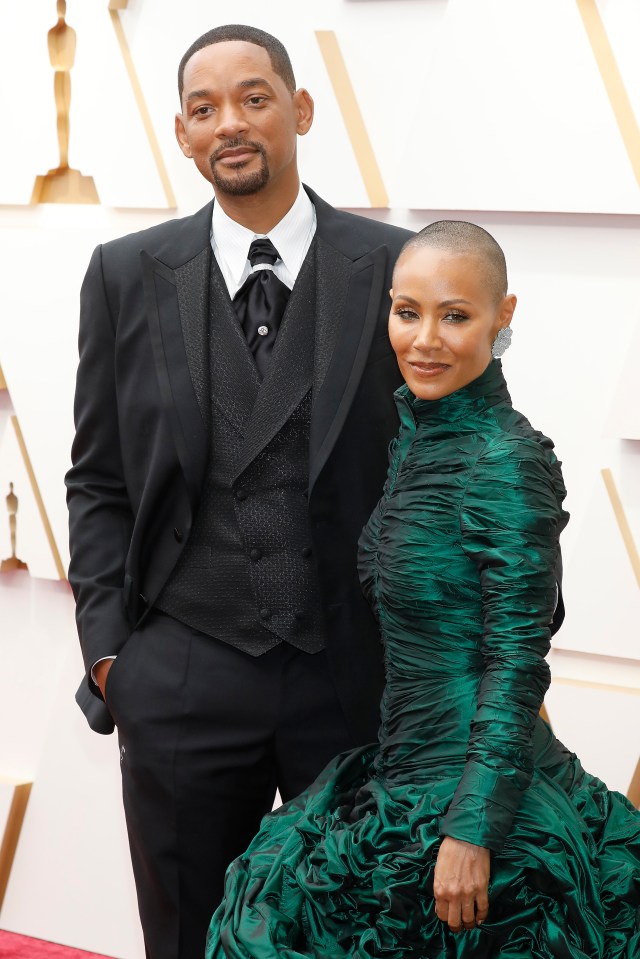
(623, 523)
(114, 7)
(64, 186)
(352, 117)
(15, 818)
(613, 82)
(633, 793)
(545, 715)
(39, 501)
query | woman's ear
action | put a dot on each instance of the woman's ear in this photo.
(507, 309)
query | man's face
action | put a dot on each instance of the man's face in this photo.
(239, 122)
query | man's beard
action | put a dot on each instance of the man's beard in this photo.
(238, 183)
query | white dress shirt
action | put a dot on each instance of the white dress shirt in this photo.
(230, 242)
(291, 237)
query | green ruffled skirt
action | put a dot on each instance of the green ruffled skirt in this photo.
(345, 870)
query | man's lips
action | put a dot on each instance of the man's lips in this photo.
(236, 154)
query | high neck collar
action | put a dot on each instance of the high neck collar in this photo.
(488, 389)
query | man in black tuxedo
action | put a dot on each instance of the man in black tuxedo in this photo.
(233, 412)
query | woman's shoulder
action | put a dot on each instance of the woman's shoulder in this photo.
(513, 436)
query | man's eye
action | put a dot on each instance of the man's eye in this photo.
(256, 101)
(202, 111)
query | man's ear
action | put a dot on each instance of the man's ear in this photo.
(303, 103)
(181, 136)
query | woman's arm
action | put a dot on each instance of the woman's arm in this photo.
(510, 522)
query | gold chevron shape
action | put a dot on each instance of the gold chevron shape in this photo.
(623, 523)
(352, 116)
(114, 7)
(633, 793)
(12, 829)
(613, 82)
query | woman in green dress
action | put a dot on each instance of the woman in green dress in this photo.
(468, 830)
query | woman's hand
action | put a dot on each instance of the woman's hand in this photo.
(461, 884)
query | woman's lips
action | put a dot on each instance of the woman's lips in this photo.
(429, 369)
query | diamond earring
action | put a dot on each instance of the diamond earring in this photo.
(502, 342)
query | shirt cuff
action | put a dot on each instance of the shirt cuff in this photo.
(101, 660)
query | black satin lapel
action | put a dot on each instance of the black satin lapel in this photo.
(176, 388)
(192, 283)
(234, 376)
(353, 341)
(290, 372)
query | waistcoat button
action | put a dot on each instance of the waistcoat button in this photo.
(240, 495)
(265, 613)
(306, 552)
(255, 554)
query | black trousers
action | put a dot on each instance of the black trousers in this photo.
(207, 734)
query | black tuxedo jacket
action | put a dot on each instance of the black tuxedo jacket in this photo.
(141, 445)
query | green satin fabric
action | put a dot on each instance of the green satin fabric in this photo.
(458, 561)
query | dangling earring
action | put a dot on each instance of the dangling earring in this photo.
(502, 342)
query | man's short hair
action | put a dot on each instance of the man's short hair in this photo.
(461, 237)
(237, 31)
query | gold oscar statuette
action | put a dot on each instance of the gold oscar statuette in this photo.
(13, 563)
(63, 184)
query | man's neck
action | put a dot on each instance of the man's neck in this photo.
(261, 211)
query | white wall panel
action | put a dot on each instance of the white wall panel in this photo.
(485, 109)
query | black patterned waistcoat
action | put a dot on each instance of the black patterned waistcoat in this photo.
(247, 574)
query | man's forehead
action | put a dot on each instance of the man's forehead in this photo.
(232, 53)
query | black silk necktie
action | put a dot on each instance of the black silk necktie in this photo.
(260, 302)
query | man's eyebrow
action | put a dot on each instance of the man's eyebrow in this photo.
(198, 95)
(254, 82)
(242, 85)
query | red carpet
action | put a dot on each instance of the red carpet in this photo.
(13, 946)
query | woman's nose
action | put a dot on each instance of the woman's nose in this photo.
(428, 335)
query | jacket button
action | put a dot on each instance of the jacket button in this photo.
(255, 554)
(240, 495)
(306, 552)
(265, 613)
(178, 534)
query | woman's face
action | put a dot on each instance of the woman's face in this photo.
(444, 318)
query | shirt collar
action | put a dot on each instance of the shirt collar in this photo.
(291, 237)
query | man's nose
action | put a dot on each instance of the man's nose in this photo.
(231, 123)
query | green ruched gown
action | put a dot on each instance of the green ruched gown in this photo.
(459, 563)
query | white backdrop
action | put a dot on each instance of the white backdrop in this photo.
(499, 112)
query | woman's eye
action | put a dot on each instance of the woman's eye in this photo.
(453, 317)
(406, 314)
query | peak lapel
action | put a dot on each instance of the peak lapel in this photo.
(352, 315)
(164, 289)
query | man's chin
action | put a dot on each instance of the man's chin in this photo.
(239, 183)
